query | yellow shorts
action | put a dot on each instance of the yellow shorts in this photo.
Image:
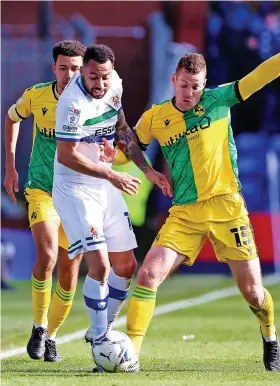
(40, 208)
(222, 219)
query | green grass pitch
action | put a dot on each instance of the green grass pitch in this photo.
(226, 350)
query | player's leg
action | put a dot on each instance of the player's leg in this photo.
(234, 243)
(119, 281)
(158, 263)
(45, 233)
(178, 241)
(83, 226)
(63, 295)
(121, 241)
(247, 275)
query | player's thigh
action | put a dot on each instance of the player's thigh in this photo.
(45, 235)
(118, 228)
(233, 240)
(81, 211)
(62, 238)
(44, 222)
(40, 207)
(183, 236)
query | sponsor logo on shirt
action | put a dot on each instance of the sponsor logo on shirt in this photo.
(69, 129)
(195, 129)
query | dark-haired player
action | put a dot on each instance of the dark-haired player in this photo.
(50, 240)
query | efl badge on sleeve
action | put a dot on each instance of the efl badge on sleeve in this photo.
(73, 116)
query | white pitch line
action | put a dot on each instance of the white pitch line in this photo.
(166, 308)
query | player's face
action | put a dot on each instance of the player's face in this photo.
(188, 88)
(97, 77)
(65, 68)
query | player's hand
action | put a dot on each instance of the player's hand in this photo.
(107, 152)
(11, 183)
(125, 182)
(160, 180)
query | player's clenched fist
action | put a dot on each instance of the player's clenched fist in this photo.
(125, 182)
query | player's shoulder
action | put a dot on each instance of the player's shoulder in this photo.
(39, 89)
(161, 107)
(216, 91)
(74, 92)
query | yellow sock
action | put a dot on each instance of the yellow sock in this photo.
(139, 315)
(60, 307)
(41, 297)
(265, 316)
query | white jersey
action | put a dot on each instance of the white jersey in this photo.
(86, 120)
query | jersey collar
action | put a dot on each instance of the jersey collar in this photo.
(54, 90)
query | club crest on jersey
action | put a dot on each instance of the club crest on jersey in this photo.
(73, 116)
(199, 110)
(93, 232)
(116, 100)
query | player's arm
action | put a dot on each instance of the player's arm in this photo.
(16, 113)
(128, 143)
(258, 78)
(69, 156)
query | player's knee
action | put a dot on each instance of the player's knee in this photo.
(68, 280)
(99, 271)
(147, 277)
(254, 295)
(46, 259)
(127, 268)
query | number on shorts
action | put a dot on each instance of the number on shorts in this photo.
(129, 220)
(241, 236)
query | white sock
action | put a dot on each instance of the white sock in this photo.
(118, 292)
(51, 337)
(40, 325)
(96, 299)
(272, 338)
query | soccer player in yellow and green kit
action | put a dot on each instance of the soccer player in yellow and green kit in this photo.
(195, 135)
(50, 239)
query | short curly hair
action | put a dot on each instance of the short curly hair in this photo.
(193, 63)
(99, 53)
(68, 48)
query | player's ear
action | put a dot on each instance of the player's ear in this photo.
(173, 78)
(54, 68)
(82, 70)
(204, 83)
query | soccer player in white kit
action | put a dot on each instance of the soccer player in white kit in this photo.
(87, 192)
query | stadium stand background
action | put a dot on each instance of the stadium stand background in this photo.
(148, 38)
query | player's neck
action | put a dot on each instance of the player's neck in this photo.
(178, 107)
(57, 89)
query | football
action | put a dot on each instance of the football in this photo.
(115, 353)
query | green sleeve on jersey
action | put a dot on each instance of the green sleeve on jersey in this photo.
(227, 94)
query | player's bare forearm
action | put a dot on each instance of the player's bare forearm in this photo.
(68, 156)
(128, 144)
(11, 137)
(265, 73)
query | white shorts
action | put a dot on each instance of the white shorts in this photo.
(93, 217)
